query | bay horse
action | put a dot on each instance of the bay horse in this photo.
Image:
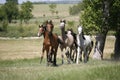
(50, 43)
(85, 44)
(67, 42)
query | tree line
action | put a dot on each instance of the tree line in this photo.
(10, 11)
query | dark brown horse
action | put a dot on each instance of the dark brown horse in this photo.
(50, 44)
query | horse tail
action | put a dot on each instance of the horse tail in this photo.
(60, 41)
(92, 43)
(91, 46)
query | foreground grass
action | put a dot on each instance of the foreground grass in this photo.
(30, 69)
(19, 60)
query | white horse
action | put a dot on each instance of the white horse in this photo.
(85, 44)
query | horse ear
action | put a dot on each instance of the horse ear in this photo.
(60, 20)
(49, 21)
(39, 26)
(64, 21)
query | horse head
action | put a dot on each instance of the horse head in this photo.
(49, 26)
(62, 23)
(70, 31)
(79, 30)
(41, 30)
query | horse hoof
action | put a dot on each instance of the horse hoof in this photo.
(85, 61)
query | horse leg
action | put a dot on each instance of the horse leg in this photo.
(48, 55)
(62, 55)
(71, 55)
(80, 55)
(75, 55)
(68, 55)
(78, 52)
(41, 58)
(89, 50)
(85, 55)
(55, 54)
(51, 52)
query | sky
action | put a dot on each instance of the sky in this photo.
(20, 1)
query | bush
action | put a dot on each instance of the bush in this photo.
(3, 25)
(20, 31)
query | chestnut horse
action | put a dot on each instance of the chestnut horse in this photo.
(50, 44)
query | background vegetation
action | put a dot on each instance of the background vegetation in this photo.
(19, 58)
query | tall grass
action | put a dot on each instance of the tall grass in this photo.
(30, 69)
(20, 31)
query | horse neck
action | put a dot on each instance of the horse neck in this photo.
(63, 33)
(81, 38)
(46, 34)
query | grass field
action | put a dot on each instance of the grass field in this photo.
(41, 9)
(19, 60)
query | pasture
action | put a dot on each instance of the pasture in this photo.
(19, 60)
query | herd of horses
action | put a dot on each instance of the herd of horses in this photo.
(71, 44)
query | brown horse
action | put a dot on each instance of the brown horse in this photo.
(50, 44)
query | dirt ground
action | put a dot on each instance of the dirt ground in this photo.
(31, 48)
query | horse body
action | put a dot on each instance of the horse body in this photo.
(84, 45)
(50, 44)
(67, 40)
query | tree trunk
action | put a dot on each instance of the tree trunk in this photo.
(117, 47)
(101, 38)
(99, 46)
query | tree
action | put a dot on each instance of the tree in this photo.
(95, 18)
(52, 8)
(10, 9)
(3, 20)
(2, 14)
(26, 11)
(114, 21)
(16, 1)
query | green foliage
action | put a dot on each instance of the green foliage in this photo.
(76, 9)
(3, 25)
(19, 31)
(114, 19)
(16, 1)
(71, 24)
(91, 16)
(26, 11)
(3, 15)
(10, 10)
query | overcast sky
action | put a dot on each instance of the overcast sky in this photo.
(20, 1)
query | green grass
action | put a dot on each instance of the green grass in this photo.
(26, 30)
(30, 69)
(19, 60)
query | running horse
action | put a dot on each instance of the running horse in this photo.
(85, 44)
(50, 43)
(67, 40)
